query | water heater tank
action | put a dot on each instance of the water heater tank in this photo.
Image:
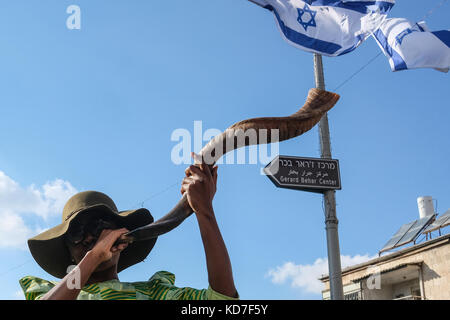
(425, 205)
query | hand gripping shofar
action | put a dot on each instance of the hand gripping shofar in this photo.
(317, 105)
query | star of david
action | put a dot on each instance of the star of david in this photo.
(403, 34)
(306, 17)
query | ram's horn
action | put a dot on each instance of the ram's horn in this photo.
(238, 135)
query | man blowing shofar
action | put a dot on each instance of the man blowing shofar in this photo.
(87, 238)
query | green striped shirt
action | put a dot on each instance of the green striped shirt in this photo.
(161, 286)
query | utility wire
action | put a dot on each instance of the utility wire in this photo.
(14, 268)
(141, 203)
(428, 14)
(358, 71)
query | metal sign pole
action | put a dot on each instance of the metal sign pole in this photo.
(331, 221)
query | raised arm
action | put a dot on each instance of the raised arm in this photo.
(200, 185)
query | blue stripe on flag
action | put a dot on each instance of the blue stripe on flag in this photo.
(443, 35)
(359, 6)
(360, 39)
(399, 63)
(305, 41)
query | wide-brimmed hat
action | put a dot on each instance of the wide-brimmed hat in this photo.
(50, 250)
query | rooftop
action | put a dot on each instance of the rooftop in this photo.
(445, 239)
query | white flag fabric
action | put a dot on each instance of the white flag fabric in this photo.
(327, 27)
(411, 45)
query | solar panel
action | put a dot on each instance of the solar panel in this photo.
(397, 236)
(415, 230)
(442, 221)
(408, 232)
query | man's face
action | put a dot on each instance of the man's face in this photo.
(83, 235)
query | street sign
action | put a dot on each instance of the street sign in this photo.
(307, 174)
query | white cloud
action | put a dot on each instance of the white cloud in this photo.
(45, 202)
(13, 230)
(18, 295)
(17, 202)
(306, 277)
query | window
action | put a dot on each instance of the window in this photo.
(352, 296)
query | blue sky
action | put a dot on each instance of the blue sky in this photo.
(95, 108)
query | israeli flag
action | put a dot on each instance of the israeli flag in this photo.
(327, 27)
(411, 45)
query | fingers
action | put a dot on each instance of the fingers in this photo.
(187, 181)
(194, 173)
(198, 173)
(185, 184)
(203, 166)
(109, 237)
(198, 163)
(188, 171)
(116, 234)
(119, 247)
(206, 170)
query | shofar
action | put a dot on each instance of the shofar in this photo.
(317, 104)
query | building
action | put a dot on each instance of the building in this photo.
(418, 272)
